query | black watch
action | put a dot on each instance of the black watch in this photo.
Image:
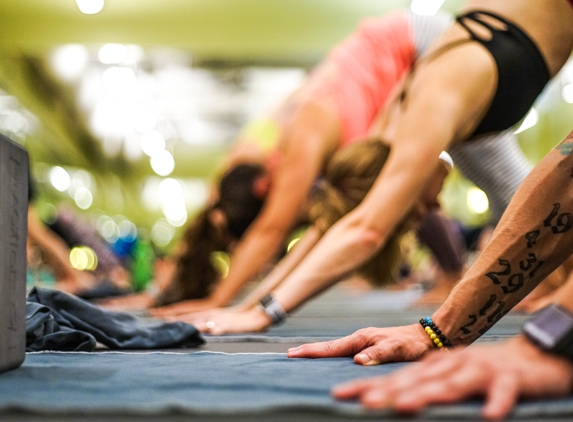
(551, 329)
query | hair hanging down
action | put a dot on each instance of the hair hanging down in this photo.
(195, 273)
(348, 178)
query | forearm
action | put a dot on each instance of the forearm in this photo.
(532, 239)
(343, 248)
(355, 238)
(283, 269)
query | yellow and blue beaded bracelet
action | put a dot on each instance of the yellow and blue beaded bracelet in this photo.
(438, 338)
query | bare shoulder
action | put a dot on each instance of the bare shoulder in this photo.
(534, 17)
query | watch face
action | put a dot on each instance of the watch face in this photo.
(549, 327)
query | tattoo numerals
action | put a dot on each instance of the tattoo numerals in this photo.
(563, 222)
(558, 225)
(532, 238)
(492, 318)
(531, 262)
(514, 282)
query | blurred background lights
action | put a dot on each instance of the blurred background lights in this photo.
(83, 258)
(69, 61)
(143, 118)
(127, 230)
(175, 213)
(162, 163)
(426, 7)
(162, 233)
(477, 200)
(119, 81)
(107, 228)
(112, 53)
(59, 178)
(567, 93)
(221, 262)
(90, 7)
(170, 190)
(530, 120)
(152, 143)
(196, 192)
(83, 198)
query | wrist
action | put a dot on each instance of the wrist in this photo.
(216, 300)
(261, 317)
(536, 354)
(424, 338)
(273, 309)
(551, 330)
(436, 336)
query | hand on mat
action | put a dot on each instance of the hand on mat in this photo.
(502, 373)
(252, 320)
(181, 308)
(371, 346)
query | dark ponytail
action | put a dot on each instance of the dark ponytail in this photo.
(196, 273)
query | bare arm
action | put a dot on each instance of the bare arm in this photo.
(283, 268)
(445, 109)
(533, 238)
(309, 140)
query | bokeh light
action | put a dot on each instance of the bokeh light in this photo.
(477, 200)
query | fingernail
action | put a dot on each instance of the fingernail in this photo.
(362, 359)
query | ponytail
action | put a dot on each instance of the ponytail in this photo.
(348, 178)
(195, 273)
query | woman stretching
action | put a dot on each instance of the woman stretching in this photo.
(334, 108)
(481, 77)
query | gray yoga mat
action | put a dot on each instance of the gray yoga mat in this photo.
(338, 313)
(204, 384)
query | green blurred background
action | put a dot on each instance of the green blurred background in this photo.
(84, 93)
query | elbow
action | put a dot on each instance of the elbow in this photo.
(369, 240)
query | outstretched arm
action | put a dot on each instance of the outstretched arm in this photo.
(247, 316)
(443, 114)
(311, 138)
(505, 372)
(283, 268)
(532, 239)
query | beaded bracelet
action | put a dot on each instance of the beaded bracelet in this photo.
(439, 339)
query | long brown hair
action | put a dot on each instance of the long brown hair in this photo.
(196, 273)
(349, 176)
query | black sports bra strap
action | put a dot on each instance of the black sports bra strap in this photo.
(475, 16)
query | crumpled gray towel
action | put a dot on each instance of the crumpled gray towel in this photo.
(59, 321)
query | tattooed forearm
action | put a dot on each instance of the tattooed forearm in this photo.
(533, 238)
(511, 278)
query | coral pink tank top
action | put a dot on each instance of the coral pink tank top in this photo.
(361, 71)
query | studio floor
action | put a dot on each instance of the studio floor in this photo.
(236, 377)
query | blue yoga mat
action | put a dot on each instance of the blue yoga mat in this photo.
(203, 383)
